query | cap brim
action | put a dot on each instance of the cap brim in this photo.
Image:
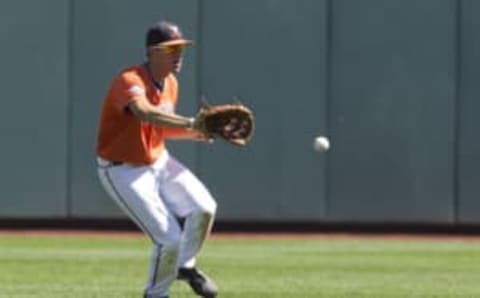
(174, 42)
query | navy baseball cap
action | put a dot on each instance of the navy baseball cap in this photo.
(165, 33)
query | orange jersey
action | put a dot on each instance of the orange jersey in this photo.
(122, 137)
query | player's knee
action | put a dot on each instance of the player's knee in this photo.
(211, 208)
(171, 242)
(205, 215)
(208, 215)
(204, 218)
(208, 208)
(169, 238)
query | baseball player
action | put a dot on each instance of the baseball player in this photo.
(154, 189)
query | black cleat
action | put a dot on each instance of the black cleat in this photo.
(200, 283)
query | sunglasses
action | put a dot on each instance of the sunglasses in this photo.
(170, 49)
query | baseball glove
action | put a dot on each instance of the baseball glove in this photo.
(234, 123)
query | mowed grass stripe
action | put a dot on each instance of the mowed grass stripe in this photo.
(56, 266)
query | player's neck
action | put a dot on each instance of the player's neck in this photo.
(158, 75)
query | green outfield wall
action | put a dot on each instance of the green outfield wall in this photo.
(392, 83)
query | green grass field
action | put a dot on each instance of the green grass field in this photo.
(50, 266)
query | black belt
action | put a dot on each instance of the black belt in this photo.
(116, 163)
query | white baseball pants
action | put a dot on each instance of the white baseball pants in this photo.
(154, 197)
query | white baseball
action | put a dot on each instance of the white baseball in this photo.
(321, 144)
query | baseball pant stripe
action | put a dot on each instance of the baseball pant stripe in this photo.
(158, 250)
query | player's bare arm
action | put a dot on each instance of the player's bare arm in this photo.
(145, 111)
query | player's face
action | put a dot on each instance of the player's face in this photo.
(169, 57)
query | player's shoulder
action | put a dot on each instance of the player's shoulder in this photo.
(132, 71)
(131, 75)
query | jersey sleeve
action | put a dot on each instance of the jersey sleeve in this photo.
(127, 87)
